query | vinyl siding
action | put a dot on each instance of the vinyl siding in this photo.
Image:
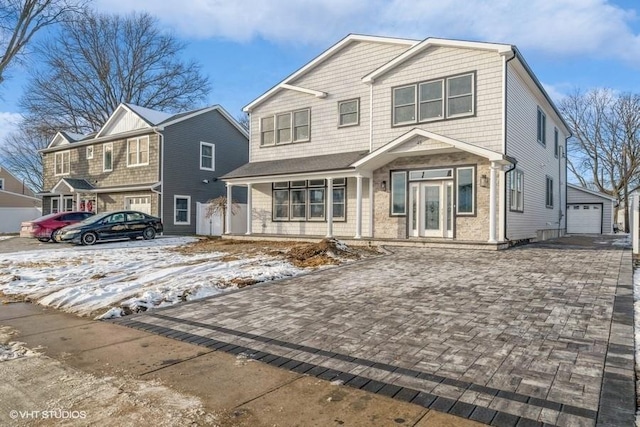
(577, 196)
(263, 223)
(483, 129)
(124, 122)
(11, 200)
(14, 185)
(341, 77)
(182, 173)
(535, 160)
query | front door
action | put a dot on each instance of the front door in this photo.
(431, 209)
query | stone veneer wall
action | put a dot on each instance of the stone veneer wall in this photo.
(467, 228)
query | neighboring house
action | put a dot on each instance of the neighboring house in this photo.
(589, 212)
(145, 160)
(18, 202)
(388, 138)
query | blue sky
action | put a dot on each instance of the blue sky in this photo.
(248, 46)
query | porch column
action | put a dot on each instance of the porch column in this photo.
(249, 210)
(227, 219)
(358, 207)
(329, 214)
(493, 191)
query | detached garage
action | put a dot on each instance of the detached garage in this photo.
(589, 212)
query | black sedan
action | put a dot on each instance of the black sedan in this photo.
(111, 226)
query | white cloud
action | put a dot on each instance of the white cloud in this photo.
(8, 124)
(561, 27)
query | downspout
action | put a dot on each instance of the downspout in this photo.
(505, 63)
(161, 192)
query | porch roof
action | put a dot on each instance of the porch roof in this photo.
(323, 163)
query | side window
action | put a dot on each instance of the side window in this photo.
(542, 127)
(398, 193)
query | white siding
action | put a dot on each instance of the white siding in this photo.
(125, 121)
(577, 196)
(340, 77)
(484, 129)
(534, 160)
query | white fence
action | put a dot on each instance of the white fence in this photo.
(634, 218)
(10, 218)
(212, 226)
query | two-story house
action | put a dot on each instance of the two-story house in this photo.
(145, 160)
(388, 138)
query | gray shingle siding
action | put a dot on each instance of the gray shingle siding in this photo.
(182, 173)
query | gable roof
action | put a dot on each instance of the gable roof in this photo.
(147, 115)
(592, 192)
(64, 138)
(284, 84)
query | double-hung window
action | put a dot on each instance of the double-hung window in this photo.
(62, 162)
(267, 131)
(549, 192)
(182, 210)
(306, 200)
(300, 125)
(107, 157)
(516, 190)
(460, 95)
(542, 127)
(348, 113)
(431, 100)
(207, 156)
(138, 151)
(284, 128)
(404, 105)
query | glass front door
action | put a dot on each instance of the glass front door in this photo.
(431, 209)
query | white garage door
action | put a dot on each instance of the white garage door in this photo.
(141, 204)
(584, 219)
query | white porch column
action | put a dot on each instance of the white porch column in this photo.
(358, 207)
(249, 210)
(227, 219)
(329, 214)
(492, 202)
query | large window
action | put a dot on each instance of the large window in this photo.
(465, 181)
(516, 190)
(182, 210)
(207, 156)
(427, 101)
(107, 157)
(138, 151)
(349, 112)
(549, 192)
(398, 193)
(62, 162)
(284, 128)
(306, 200)
(542, 127)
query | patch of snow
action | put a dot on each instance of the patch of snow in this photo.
(14, 350)
(6, 237)
(337, 382)
(625, 241)
(131, 276)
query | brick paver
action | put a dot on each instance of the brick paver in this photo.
(508, 337)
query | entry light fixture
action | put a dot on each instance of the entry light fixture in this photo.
(484, 181)
(383, 185)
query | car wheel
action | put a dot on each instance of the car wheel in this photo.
(88, 239)
(43, 239)
(54, 235)
(149, 233)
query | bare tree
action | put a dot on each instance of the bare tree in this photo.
(243, 119)
(605, 147)
(20, 20)
(20, 153)
(218, 206)
(100, 61)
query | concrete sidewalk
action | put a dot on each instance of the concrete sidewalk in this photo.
(102, 372)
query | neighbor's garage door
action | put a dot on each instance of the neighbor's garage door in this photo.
(584, 219)
(142, 204)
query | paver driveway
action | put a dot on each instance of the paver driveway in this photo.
(519, 336)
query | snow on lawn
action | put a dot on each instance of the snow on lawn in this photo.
(112, 279)
(10, 350)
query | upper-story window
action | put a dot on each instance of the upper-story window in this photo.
(207, 156)
(556, 142)
(89, 152)
(349, 113)
(107, 157)
(284, 128)
(138, 151)
(62, 162)
(542, 127)
(439, 99)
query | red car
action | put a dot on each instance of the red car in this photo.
(45, 227)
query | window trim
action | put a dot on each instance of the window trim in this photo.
(175, 209)
(138, 140)
(340, 114)
(104, 157)
(342, 188)
(513, 177)
(213, 156)
(68, 162)
(277, 129)
(293, 125)
(262, 131)
(305, 204)
(306, 189)
(275, 218)
(324, 204)
(394, 106)
(89, 152)
(473, 191)
(548, 193)
(442, 100)
(541, 127)
(391, 193)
